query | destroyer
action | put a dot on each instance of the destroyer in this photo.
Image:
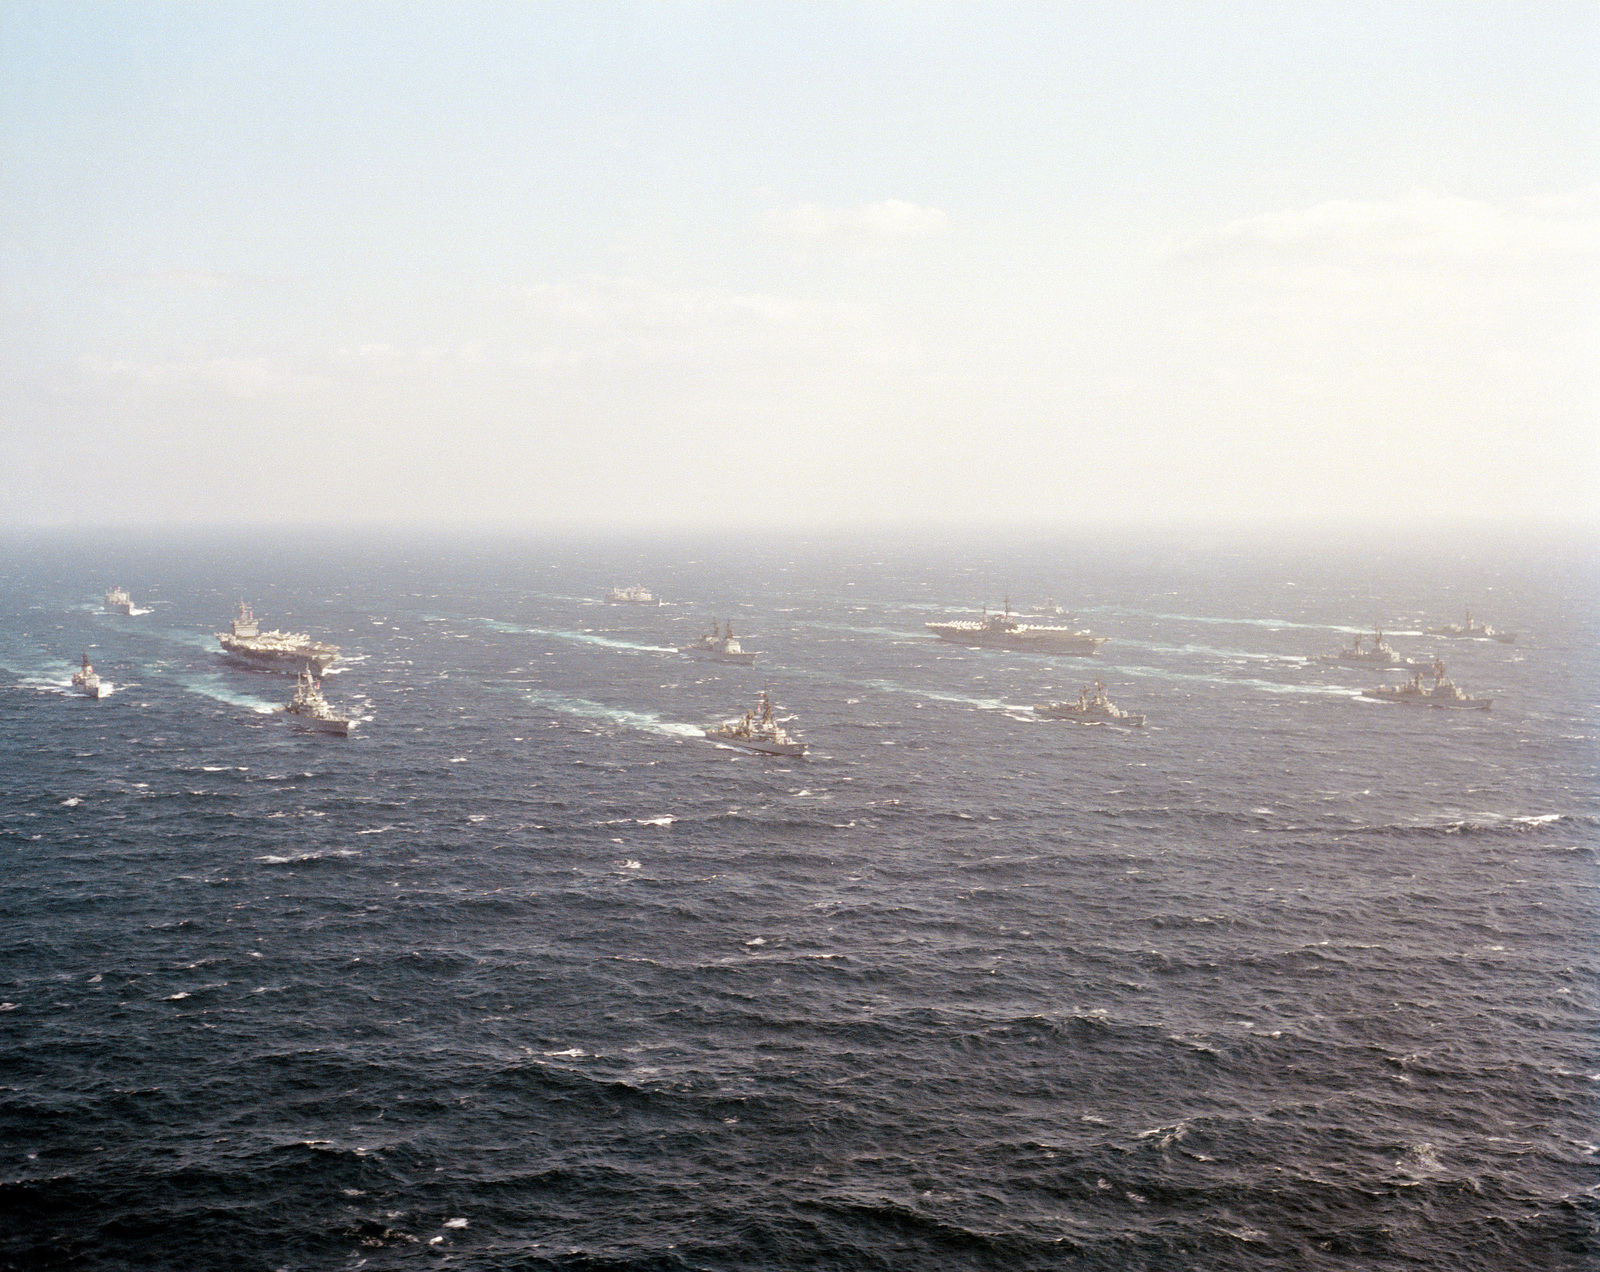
(308, 709)
(1001, 631)
(720, 646)
(118, 601)
(274, 651)
(1443, 692)
(1377, 654)
(1092, 707)
(88, 682)
(1474, 630)
(634, 595)
(756, 730)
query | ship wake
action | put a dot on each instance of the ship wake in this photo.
(642, 721)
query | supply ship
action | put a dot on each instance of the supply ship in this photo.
(634, 595)
(720, 646)
(1002, 631)
(274, 651)
(118, 601)
(308, 709)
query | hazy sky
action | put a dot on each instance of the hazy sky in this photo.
(759, 264)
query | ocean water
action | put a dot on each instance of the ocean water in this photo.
(527, 974)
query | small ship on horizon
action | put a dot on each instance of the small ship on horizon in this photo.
(720, 646)
(273, 651)
(1379, 654)
(118, 601)
(1472, 629)
(634, 595)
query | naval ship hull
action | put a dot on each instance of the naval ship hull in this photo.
(1069, 711)
(290, 661)
(1438, 704)
(712, 655)
(792, 749)
(311, 724)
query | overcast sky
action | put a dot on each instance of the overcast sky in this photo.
(765, 264)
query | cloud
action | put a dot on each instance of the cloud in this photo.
(241, 377)
(1420, 228)
(639, 305)
(886, 221)
(620, 321)
(180, 280)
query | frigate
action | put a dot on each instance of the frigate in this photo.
(1091, 707)
(1002, 631)
(1378, 654)
(308, 709)
(634, 595)
(118, 601)
(273, 651)
(720, 645)
(1474, 630)
(1443, 692)
(87, 681)
(757, 730)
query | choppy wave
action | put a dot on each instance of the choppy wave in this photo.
(215, 686)
(621, 717)
(587, 638)
(517, 982)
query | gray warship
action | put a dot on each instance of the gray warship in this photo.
(1092, 707)
(1377, 654)
(1002, 631)
(720, 646)
(118, 601)
(308, 709)
(1443, 692)
(1472, 629)
(634, 595)
(757, 731)
(87, 681)
(274, 651)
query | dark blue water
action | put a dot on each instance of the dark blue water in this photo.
(529, 975)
